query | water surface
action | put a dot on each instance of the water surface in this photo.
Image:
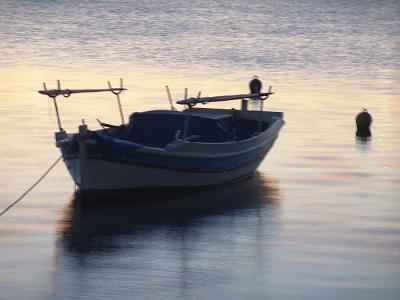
(321, 218)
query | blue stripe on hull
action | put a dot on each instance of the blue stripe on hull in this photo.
(126, 153)
(177, 167)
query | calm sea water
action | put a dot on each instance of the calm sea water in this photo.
(320, 220)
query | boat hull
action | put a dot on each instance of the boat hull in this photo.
(95, 174)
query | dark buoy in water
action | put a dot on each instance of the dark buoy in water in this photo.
(363, 122)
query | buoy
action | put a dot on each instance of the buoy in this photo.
(363, 122)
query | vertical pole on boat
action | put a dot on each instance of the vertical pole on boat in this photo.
(262, 109)
(186, 125)
(58, 114)
(169, 98)
(55, 104)
(260, 120)
(244, 104)
(118, 99)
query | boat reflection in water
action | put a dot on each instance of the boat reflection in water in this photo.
(89, 226)
(169, 244)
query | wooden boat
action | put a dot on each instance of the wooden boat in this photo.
(169, 148)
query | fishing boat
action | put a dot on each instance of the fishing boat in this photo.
(169, 148)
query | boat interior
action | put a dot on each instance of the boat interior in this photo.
(159, 128)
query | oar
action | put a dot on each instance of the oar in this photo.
(55, 93)
(192, 101)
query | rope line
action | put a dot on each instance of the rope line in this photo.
(32, 187)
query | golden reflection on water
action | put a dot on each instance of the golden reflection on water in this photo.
(336, 195)
(299, 99)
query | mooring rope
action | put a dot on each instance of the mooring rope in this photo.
(32, 186)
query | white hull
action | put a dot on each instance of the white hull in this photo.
(92, 174)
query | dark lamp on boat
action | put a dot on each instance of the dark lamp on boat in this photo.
(255, 85)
